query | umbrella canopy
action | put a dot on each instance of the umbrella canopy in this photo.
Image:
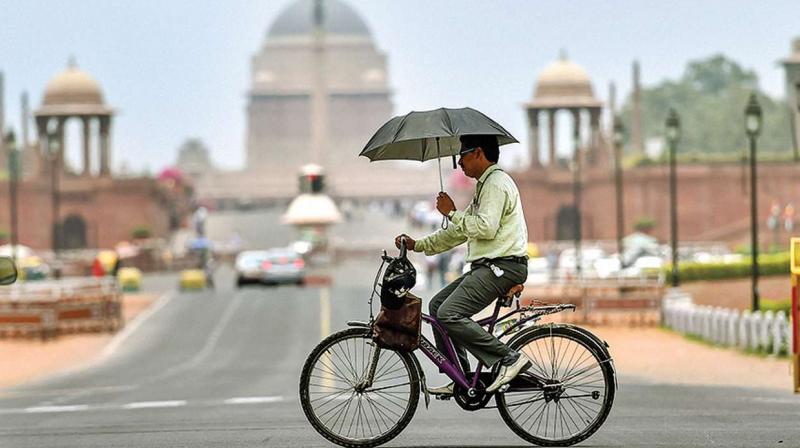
(414, 136)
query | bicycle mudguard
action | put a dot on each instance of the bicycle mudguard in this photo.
(422, 379)
(357, 323)
(599, 343)
(417, 365)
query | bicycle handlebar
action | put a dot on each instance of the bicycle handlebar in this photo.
(403, 249)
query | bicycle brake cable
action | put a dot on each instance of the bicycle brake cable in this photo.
(372, 296)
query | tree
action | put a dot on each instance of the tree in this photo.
(710, 98)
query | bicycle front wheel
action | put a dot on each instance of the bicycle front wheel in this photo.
(337, 405)
(578, 390)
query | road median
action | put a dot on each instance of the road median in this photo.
(30, 359)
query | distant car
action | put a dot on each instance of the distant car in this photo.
(270, 267)
(248, 266)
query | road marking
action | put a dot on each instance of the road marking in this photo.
(144, 405)
(211, 342)
(122, 336)
(251, 400)
(70, 408)
(155, 404)
(324, 312)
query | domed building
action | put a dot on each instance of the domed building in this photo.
(62, 207)
(319, 89)
(74, 94)
(562, 85)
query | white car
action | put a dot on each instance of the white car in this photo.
(270, 267)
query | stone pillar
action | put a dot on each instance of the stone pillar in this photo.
(637, 139)
(23, 122)
(87, 155)
(2, 121)
(60, 136)
(791, 67)
(551, 124)
(43, 151)
(594, 122)
(105, 162)
(576, 129)
(533, 137)
(576, 133)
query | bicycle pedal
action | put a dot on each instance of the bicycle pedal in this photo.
(443, 397)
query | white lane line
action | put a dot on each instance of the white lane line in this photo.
(42, 409)
(209, 346)
(252, 400)
(324, 312)
(155, 404)
(122, 336)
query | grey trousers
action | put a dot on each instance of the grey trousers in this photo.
(455, 305)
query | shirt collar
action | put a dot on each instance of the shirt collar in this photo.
(486, 173)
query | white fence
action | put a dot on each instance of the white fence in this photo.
(766, 332)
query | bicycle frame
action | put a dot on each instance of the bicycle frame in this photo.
(448, 363)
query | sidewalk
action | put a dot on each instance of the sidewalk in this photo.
(28, 359)
(655, 355)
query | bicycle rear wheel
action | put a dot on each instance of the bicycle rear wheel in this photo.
(336, 406)
(578, 394)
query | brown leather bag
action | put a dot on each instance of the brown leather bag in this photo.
(399, 329)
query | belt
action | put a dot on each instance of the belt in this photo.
(480, 261)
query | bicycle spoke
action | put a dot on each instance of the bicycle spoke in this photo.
(330, 398)
(390, 399)
(345, 364)
(575, 396)
(389, 411)
(374, 413)
(387, 387)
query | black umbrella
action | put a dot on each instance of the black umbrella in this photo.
(430, 135)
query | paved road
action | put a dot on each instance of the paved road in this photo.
(221, 368)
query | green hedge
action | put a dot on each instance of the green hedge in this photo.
(768, 264)
(776, 305)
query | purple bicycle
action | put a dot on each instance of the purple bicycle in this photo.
(356, 394)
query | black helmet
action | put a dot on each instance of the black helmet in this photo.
(398, 279)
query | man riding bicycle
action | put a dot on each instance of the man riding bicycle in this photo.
(493, 226)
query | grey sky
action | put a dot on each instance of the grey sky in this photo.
(181, 69)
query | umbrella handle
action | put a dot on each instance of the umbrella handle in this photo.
(441, 182)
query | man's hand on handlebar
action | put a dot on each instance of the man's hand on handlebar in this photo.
(410, 242)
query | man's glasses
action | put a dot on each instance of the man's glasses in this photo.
(464, 152)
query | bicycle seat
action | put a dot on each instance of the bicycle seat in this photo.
(515, 291)
(508, 298)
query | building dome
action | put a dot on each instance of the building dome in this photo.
(337, 18)
(564, 83)
(73, 86)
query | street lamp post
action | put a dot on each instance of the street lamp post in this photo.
(13, 172)
(673, 127)
(753, 120)
(576, 196)
(55, 201)
(619, 132)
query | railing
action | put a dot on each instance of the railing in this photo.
(49, 309)
(766, 332)
(597, 299)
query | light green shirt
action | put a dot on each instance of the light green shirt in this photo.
(493, 225)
